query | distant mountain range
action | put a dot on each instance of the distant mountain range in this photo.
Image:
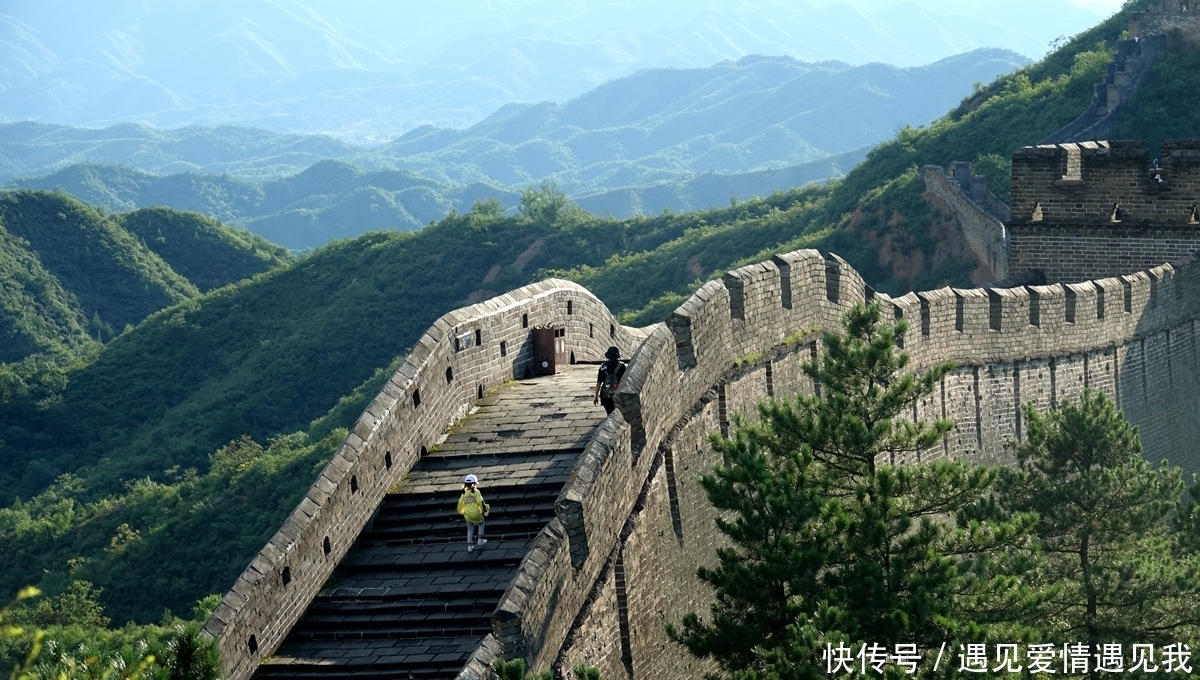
(663, 138)
(372, 70)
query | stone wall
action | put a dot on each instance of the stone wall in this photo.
(1167, 17)
(1098, 209)
(635, 522)
(464, 354)
(632, 524)
(979, 213)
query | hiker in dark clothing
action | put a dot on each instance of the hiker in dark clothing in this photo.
(609, 379)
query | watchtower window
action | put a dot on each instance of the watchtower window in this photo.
(995, 310)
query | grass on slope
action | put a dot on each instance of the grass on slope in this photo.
(70, 275)
(168, 543)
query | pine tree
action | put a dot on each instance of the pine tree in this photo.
(1118, 569)
(839, 532)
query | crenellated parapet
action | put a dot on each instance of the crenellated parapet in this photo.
(629, 517)
(1103, 208)
(461, 356)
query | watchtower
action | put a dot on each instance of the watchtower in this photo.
(1100, 209)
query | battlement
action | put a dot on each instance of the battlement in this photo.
(1115, 182)
(1102, 209)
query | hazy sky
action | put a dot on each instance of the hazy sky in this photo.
(1103, 7)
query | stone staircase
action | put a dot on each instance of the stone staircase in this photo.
(409, 600)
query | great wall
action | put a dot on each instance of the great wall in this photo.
(615, 562)
(601, 523)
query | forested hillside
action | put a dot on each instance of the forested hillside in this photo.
(225, 405)
(201, 249)
(71, 276)
(91, 277)
(334, 199)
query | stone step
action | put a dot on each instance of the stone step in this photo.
(431, 600)
(493, 555)
(451, 530)
(402, 626)
(403, 504)
(431, 658)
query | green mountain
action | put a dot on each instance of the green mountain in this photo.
(203, 250)
(36, 313)
(112, 278)
(210, 418)
(71, 276)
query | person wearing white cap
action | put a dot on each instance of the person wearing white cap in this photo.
(473, 510)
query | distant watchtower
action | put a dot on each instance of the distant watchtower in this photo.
(1099, 209)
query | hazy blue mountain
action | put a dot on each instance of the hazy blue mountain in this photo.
(330, 199)
(669, 124)
(676, 138)
(28, 149)
(710, 189)
(660, 125)
(371, 70)
(333, 199)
